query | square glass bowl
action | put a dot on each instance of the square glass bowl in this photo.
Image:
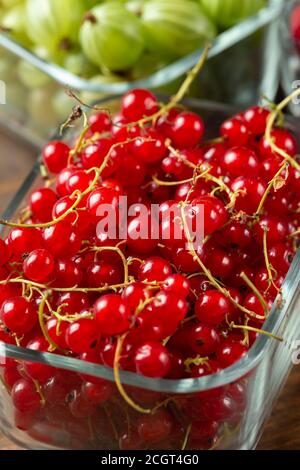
(226, 410)
(243, 65)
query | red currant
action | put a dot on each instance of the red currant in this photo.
(187, 130)
(138, 103)
(39, 265)
(152, 360)
(112, 314)
(25, 396)
(18, 315)
(212, 307)
(55, 156)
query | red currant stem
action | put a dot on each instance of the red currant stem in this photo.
(91, 430)
(180, 156)
(131, 259)
(177, 183)
(39, 390)
(256, 292)
(79, 195)
(44, 172)
(223, 187)
(25, 215)
(186, 320)
(194, 361)
(255, 330)
(80, 141)
(111, 422)
(246, 340)
(272, 184)
(5, 385)
(186, 437)
(42, 324)
(17, 340)
(191, 75)
(52, 222)
(269, 266)
(295, 233)
(216, 140)
(270, 124)
(120, 387)
(141, 307)
(71, 289)
(120, 253)
(69, 318)
(207, 271)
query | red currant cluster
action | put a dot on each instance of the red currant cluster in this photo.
(160, 307)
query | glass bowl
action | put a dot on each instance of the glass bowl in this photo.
(226, 410)
(290, 69)
(243, 64)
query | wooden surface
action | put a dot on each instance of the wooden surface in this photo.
(283, 429)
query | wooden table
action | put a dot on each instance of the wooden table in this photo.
(283, 429)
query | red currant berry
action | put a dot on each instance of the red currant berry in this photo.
(39, 265)
(70, 303)
(135, 294)
(18, 315)
(155, 427)
(55, 156)
(57, 331)
(215, 213)
(178, 284)
(149, 149)
(100, 122)
(230, 352)
(4, 252)
(154, 269)
(24, 240)
(187, 130)
(102, 197)
(62, 180)
(97, 393)
(262, 282)
(82, 335)
(112, 314)
(10, 376)
(61, 239)
(276, 228)
(240, 160)
(137, 104)
(41, 204)
(25, 396)
(79, 406)
(237, 234)
(256, 119)
(94, 154)
(131, 171)
(203, 339)
(283, 140)
(34, 370)
(152, 360)
(67, 274)
(251, 193)
(141, 236)
(212, 307)
(102, 273)
(280, 257)
(235, 131)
